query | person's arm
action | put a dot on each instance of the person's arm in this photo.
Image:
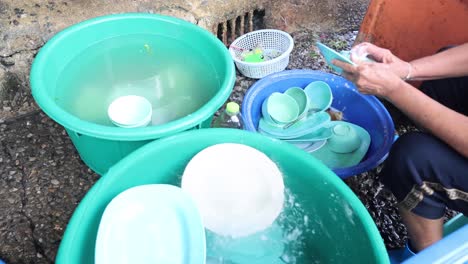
(452, 62)
(378, 79)
(444, 123)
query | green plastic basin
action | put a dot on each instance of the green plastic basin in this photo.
(182, 69)
(339, 229)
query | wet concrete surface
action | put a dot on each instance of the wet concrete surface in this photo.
(43, 179)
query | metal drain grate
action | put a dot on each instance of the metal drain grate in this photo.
(229, 30)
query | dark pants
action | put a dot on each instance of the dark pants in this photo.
(425, 174)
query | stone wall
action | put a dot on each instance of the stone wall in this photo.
(25, 25)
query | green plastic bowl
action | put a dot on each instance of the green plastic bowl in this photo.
(339, 229)
(319, 94)
(155, 39)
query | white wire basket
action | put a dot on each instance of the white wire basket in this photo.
(276, 45)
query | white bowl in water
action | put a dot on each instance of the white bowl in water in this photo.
(130, 111)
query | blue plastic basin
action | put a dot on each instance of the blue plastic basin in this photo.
(363, 110)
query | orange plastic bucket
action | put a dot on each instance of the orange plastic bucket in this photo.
(415, 28)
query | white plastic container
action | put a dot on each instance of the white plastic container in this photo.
(130, 111)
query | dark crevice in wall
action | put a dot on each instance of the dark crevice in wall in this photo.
(229, 30)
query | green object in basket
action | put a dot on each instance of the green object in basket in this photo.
(324, 221)
(184, 71)
(255, 55)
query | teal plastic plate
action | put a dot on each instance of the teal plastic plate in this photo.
(154, 223)
(338, 160)
(301, 128)
(310, 146)
(315, 146)
(330, 54)
(321, 134)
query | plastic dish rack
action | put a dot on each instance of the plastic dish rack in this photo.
(276, 45)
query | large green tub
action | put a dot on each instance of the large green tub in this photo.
(340, 229)
(182, 69)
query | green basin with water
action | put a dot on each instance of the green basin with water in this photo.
(183, 70)
(332, 225)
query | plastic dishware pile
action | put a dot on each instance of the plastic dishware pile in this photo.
(161, 223)
(299, 116)
(152, 223)
(318, 206)
(262, 52)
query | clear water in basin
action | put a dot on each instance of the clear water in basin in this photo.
(288, 243)
(174, 77)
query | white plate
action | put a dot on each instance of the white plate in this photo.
(155, 223)
(238, 189)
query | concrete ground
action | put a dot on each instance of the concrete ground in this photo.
(43, 179)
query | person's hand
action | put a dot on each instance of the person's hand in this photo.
(396, 65)
(371, 77)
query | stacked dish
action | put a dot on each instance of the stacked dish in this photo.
(299, 116)
(151, 223)
(130, 111)
(162, 223)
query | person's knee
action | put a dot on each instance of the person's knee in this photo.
(414, 147)
(409, 154)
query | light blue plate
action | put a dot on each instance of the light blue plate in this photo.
(347, 54)
(315, 146)
(310, 146)
(330, 54)
(320, 134)
(154, 223)
(303, 127)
